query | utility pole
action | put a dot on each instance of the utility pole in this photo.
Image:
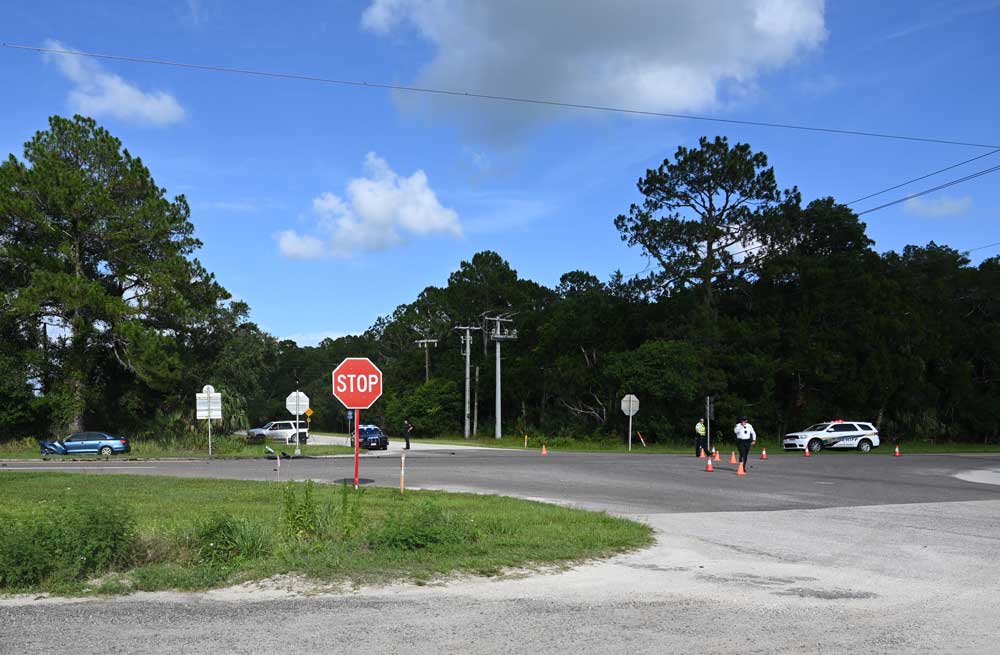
(466, 350)
(497, 334)
(475, 406)
(426, 344)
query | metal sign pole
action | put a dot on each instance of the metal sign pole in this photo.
(708, 422)
(630, 426)
(357, 445)
(298, 450)
(210, 431)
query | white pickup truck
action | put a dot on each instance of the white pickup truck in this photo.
(279, 431)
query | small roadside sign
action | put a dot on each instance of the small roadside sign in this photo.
(309, 413)
(208, 403)
(630, 406)
(208, 406)
(297, 403)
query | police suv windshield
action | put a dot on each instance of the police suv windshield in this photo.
(819, 427)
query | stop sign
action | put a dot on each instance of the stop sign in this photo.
(357, 383)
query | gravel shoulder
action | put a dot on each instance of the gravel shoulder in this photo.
(908, 578)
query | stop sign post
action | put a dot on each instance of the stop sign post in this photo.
(357, 384)
(630, 407)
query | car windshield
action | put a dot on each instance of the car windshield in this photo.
(267, 426)
(819, 427)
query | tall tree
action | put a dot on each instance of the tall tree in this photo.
(108, 259)
(697, 207)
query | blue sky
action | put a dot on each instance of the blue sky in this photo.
(326, 206)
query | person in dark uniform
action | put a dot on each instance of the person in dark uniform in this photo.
(745, 437)
(407, 431)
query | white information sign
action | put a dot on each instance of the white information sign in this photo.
(208, 403)
(208, 406)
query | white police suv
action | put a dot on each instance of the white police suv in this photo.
(835, 434)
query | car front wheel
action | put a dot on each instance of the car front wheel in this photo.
(865, 446)
(815, 446)
(105, 451)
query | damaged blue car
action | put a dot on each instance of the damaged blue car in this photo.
(86, 443)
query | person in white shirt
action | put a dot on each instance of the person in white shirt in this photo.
(745, 437)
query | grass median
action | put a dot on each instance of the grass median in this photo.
(84, 534)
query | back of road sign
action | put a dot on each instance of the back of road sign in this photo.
(630, 405)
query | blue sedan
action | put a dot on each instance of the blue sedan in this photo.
(99, 443)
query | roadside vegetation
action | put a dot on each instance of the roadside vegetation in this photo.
(228, 446)
(81, 534)
(808, 324)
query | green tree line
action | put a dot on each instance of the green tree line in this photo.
(780, 309)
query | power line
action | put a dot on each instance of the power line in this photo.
(922, 177)
(932, 190)
(988, 245)
(487, 96)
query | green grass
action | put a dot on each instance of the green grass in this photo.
(223, 447)
(197, 534)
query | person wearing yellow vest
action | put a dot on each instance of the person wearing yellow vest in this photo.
(699, 443)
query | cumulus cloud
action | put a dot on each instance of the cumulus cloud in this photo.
(656, 55)
(97, 92)
(934, 207)
(381, 210)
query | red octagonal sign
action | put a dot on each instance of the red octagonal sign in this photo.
(357, 383)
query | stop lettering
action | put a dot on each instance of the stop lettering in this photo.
(357, 383)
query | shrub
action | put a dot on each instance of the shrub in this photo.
(67, 543)
(226, 540)
(420, 526)
(299, 515)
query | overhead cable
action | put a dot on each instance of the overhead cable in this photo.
(487, 96)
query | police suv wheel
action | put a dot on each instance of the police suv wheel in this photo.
(815, 446)
(865, 446)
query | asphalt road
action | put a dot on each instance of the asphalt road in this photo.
(838, 553)
(620, 483)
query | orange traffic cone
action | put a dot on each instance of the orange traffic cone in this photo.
(808, 454)
(896, 454)
(732, 458)
(716, 456)
(763, 453)
(708, 466)
(545, 450)
(701, 453)
(741, 470)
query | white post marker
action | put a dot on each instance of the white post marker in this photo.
(297, 403)
(402, 473)
(630, 406)
(208, 406)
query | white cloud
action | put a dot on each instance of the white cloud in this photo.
(656, 55)
(300, 246)
(97, 92)
(943, 206)
(382, 210)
